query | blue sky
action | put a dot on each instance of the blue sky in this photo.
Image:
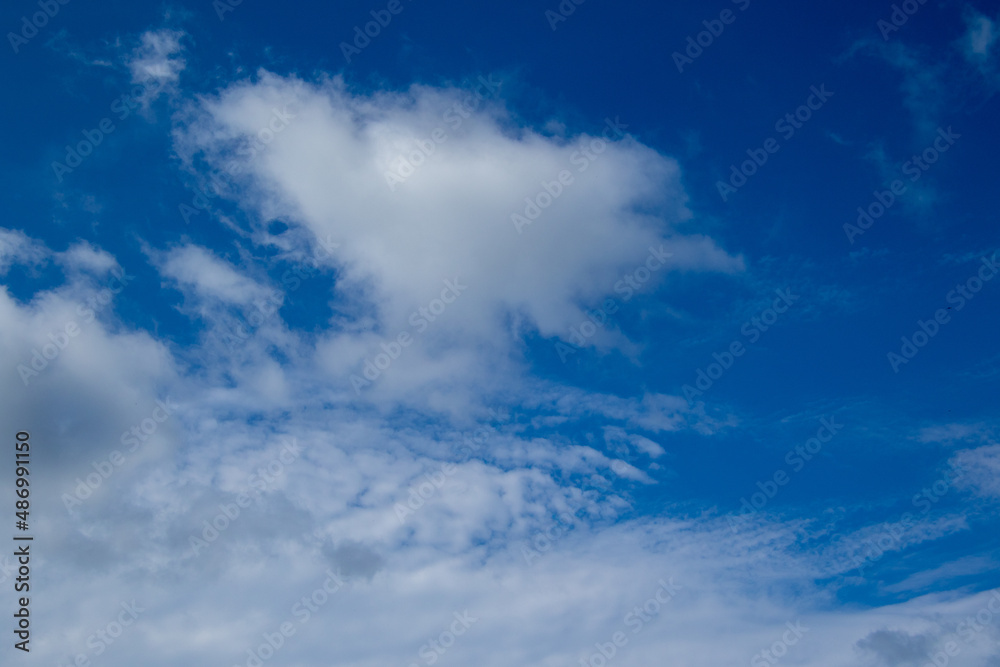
(538, 313)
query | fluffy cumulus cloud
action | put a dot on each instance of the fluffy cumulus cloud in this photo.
(462, 230)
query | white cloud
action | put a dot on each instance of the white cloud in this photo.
(157, 62)
(954, 432)
(17, 248)
(980, 36)
(962, 567)
(316, 156)
(619, 440)
(82, 256)
(333, 507)
(208, 276)
(982, 469)
(978, 46)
